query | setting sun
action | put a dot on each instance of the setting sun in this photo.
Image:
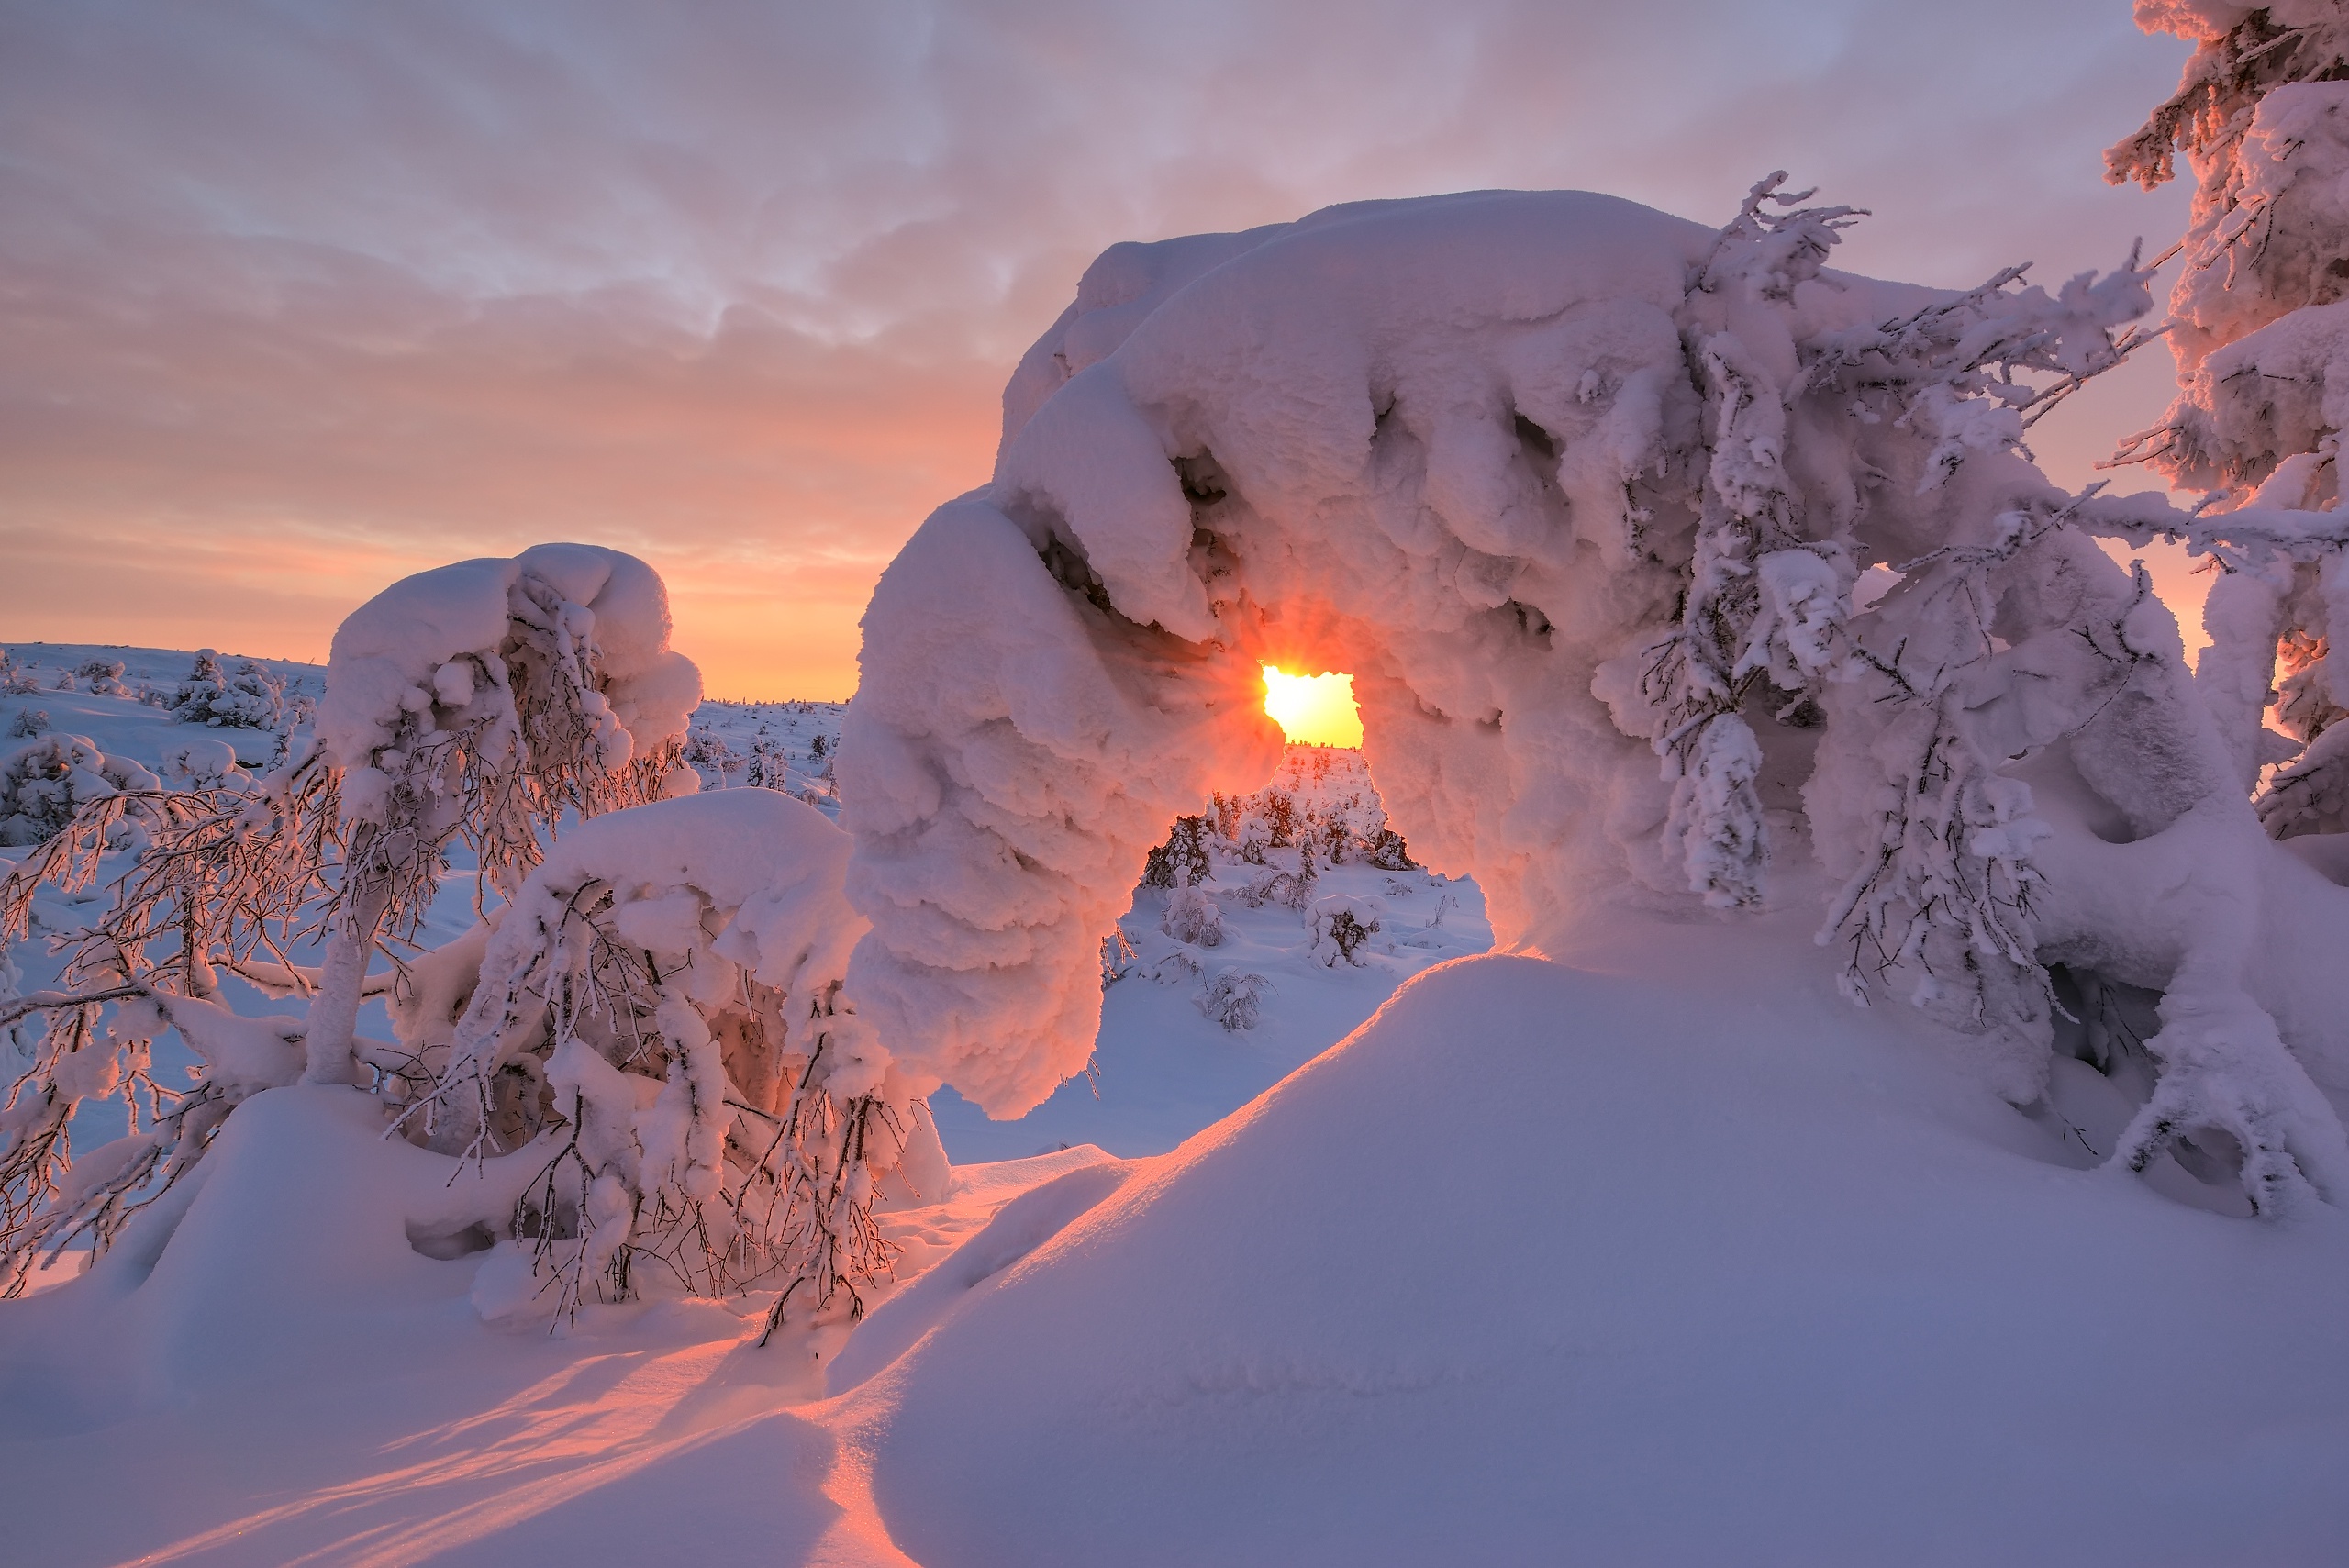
(1315, 710)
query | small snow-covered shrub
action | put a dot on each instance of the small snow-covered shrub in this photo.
(43, 786)
(1231, 999)
(712, 757)
(248, 698)
(1387, 852)
(1175, 968)
(102, 677)
(1192, 917)
(1300, 891)
(1118, 957)
(28, 722)
(1183, 859)
(1339, 926)
(15, 680)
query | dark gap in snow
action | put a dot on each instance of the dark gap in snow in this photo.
(444, 1246)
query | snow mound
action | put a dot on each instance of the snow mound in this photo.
(1714, 1273)
(427, 642)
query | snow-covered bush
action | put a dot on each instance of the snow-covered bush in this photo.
(15, 680)
(101, 677)
(1231, 999)
(1340, 926)
(1580, 494)
(248, 698)
(657, 1022)
(710, 756)
(1183, 859)
(1387, 852)
(1175, 968)
(28, 722)
(43, 784)
(1193, 917)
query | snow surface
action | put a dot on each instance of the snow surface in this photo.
(1729, 1274)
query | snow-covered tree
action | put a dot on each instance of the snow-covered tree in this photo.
(1233, 999)
(1580, 493)
(1339, 927)
(248, 698)
(2260, 325)
(655, 1025)
(479, 702)
(483, 701)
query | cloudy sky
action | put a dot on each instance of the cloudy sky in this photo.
(297, 298)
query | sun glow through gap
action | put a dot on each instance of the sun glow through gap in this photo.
(1314, 711)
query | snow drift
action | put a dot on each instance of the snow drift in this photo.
(1730, 1273)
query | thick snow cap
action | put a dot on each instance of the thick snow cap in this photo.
(425, 640)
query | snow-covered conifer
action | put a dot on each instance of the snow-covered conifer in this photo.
(1183, 859)
(248, 698)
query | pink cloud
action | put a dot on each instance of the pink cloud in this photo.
(293, 298)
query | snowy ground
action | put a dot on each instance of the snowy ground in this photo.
(1661, 1254)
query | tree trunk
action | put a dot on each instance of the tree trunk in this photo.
(350, 942)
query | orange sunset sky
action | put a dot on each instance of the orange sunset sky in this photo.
(297, 298)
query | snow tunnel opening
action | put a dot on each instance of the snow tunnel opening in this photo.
(1314, 711)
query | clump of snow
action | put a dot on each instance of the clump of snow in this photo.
(570, 627)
